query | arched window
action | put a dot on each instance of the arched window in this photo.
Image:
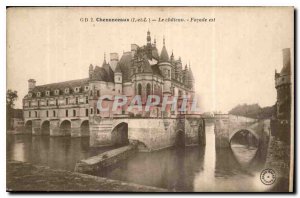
(54, 114)
(36, 114)
(139, 89)
(148, 89)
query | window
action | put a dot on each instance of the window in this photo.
(38, 94)
(91, 93)
(47, 114)
(148, 89)
(47, 93)
(139, 89)
(74, 112)
(29, 103)
(91, 111)
(86, 112)
(98, 111)
(168, 73)
(67, 101)
(76, 100)
(98, 93)
(30, 94)
(57, 92)
(47, 102)
(38, 103)
(54, 114)
(56, 102)
(86, 99)
(29, 114)
(67, 113)
(35, 114)
(67, 90)
(86, 88)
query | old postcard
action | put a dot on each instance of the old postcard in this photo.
(150, 99)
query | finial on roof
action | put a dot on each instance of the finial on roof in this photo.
(164, 40)
(104, 60)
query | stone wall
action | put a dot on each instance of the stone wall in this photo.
(152, 133)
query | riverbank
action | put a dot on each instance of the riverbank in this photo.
(22, 176)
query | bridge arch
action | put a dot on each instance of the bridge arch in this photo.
(28, 126)
(246, 131)
(85, 128)
(45, 128)
(65, 127)
(180, 138)
(119, 134)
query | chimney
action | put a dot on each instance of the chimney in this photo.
(114, 59)
(286, 57)
(31, 84)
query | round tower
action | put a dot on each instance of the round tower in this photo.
(165, 68)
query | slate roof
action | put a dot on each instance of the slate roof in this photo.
(125, 64)
(62, 85)
(164, 57)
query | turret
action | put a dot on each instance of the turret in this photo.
(31, 84)
(185, 75)
(165, 68)
(91, 70)
(118, 79)
(148, 38)
(191, 80)
(114, 59)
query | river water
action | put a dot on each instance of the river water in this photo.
(186, 169)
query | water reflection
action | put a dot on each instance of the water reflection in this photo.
(184, 169)
(55, 152)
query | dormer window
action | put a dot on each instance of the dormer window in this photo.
(67, 90)
(56, 92)
(38, 94)
(30, 95)
(47, 93)
(77, 89)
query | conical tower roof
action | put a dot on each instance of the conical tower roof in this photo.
(164, 57)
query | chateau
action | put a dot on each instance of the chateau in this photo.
(69, 108)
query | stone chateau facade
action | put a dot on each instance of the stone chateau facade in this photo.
(68, 108)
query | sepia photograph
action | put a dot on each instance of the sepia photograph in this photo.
(150, 99)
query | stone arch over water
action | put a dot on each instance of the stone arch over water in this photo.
(180, 138)
(65, 127)
(119, 134)
(85, 128)
(28, 127)
(45, 128)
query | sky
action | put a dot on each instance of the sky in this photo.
(233, 58)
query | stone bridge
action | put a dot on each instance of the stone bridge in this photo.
(76, 127)
(150, 133)
(226, 126)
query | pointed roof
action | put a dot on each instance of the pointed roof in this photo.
(118, 69)
(104, 60)
(164, 57)
(110, 73)
(191, 76)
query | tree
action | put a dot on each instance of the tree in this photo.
(11, 97)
